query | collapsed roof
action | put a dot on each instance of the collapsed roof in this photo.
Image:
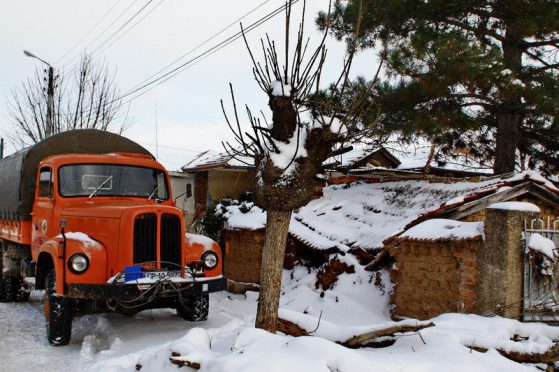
(366, 214)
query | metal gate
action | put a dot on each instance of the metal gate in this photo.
(541, 292)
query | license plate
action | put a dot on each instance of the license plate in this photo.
(162, 275)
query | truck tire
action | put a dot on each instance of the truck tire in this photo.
(194, 308)
(3, 295)
(58, 314)
(2, 290)
(14, 290)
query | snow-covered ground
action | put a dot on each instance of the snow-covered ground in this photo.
(228, 341)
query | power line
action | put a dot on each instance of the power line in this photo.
(88, 33)
(131, 27)
(172, 148)
(108, 27)
(124, 25)
(202, 44)
(172, 73)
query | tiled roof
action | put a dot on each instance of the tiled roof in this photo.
(210, 159)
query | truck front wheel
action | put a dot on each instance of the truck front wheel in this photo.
(194, 308)
(58, 314)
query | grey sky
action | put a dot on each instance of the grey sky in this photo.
(189, 114)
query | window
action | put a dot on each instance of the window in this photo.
(98, 180)
(45, 183)
(188, 190)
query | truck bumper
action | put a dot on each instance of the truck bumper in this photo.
(135, 291)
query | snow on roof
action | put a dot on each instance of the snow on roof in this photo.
(415, 156)
(210, 159)
(365, 214)
(442, 229)
(516, 206)
(349, 158)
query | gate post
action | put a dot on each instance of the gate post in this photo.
(501, 259)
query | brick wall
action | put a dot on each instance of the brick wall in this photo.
(242, 263)
(434, 277)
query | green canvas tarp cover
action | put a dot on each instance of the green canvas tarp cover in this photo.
(18, 171)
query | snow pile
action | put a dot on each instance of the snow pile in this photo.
(444, 229)
(238, 346)
(244, 216)
(279, 89)
(546, 247)
(516, 206)
(538, 243)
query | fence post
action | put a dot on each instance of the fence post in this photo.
(501, 259)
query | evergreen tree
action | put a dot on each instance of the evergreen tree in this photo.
(477, 76)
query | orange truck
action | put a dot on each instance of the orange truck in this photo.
(89, 217)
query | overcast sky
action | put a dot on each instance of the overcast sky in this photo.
(188, 110)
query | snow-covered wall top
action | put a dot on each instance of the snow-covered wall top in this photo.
(516, 206)
(437, 229)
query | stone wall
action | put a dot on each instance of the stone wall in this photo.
(242, 262)
(433, 277)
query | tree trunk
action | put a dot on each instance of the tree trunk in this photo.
(277, 226)
(509, 114)
(508, 131)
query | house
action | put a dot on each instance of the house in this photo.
(182, 186)
(372, 217)
(401, 163)
(217, 176)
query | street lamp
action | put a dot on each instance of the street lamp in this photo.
(50, 94)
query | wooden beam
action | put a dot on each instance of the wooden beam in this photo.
(483, 203)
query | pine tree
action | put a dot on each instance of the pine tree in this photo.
(477, 76)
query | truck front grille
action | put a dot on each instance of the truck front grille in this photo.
(145, 238)
(170, 242)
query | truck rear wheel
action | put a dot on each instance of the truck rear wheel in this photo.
(13, 290)
(2, 290)
(194, 308)
(58, 314)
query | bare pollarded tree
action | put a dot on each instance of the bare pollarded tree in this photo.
(85, 98)
(289, 151)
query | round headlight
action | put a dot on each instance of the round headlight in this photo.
(209, 260)
(78, 263)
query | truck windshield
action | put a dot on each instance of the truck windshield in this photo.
(93, 180)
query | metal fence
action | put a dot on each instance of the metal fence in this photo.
(541, 292)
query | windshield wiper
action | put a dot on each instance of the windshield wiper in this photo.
(153, 193)
(99, 188)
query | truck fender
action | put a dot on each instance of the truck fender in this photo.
(197, 245)
(51, 256)
(47, 260)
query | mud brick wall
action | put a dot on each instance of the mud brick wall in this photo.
(547, 211)
(434, 277)
(242, 263)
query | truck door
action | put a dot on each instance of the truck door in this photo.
(43, 228)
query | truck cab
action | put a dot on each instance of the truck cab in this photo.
(103, 235)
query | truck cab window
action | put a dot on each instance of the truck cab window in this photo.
(45, 183)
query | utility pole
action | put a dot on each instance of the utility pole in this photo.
(1, 148)
(50, 104)
(50, 95)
